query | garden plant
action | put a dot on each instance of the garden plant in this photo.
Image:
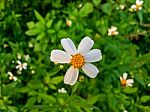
(74, 55)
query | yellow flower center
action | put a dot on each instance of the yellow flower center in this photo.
(138, 7)
(77, 61)
(123, 82)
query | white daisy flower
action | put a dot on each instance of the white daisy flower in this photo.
(68, 23)
(113, 31)
(78, 58)
(137, 6)
(148, 85)
(126, 82)
(11, 76)
(62, 90)
(21, 66)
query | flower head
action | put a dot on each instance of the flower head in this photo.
(68, 23)
(113, 31)
(137, 6)
(126, 82)
(21, 66)
(11, 76)
(62, 90)
(77, 58)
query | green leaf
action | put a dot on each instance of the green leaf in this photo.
(129, 90)
(31, 25)
(2, 106)
(145, 99)
(47, 98)
(49, 23)
(107, 8)
(57, 79)
(32, 32)
(39, 17)
(31, 101)
(12, 109)
(96, 2)
(86, 9)
(140, 16)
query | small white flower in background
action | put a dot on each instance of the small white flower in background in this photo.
(126, 82)
(78, 58)
(137, 6)
(149, 85)
(33, 71)
(21, 66)
(19, 56)
(113, 31)
(80, 5)
(27, 57)
(11, 76)
(68, 23)
(62, 90)
(121, 7)
(125, 111)
(6, 45)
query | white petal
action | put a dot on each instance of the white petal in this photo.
(90, 70)
(17, 67)
(125, 75)
(19, 62)
(68, 46)
(85, 45)
(59, 56)
(133, 6)
(130, 81)
(121, 78)
(113, 28)
(93, 56)
(71, 76)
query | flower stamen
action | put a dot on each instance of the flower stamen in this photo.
(123, 82)
(77, 61)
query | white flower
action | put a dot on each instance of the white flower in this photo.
(113, 31)
(62, 90)
(11, 76)
(27, 57)
(78, 58)
(125, 111)
(121, 6)
(126, 82)
(21, 66)
(68, 23)
(149, 85)
(137, 6)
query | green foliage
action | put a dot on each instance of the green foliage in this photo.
(35, 28)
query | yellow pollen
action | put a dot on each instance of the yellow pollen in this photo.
(138, 7)
(77, 61)
(123, 82)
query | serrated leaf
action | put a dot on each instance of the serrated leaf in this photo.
(39, 17)
(86, 9)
